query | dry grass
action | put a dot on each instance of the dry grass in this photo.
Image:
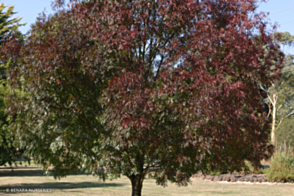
(265, 162)
(76, 185)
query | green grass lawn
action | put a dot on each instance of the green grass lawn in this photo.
(32, 177)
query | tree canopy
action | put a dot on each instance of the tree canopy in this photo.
(121, 87)
(8, 151)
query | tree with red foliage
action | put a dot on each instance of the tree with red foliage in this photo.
(122, 87)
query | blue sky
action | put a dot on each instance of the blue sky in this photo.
(29, 9)
(285, 17)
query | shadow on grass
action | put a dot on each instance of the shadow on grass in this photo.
(61, 185)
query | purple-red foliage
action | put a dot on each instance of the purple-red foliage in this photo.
(177, 80)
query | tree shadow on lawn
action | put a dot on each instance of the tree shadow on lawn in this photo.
(60, 185)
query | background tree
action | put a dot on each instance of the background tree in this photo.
(119, 87)
(280, 92)
(8, 151)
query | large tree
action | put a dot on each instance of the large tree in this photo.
(119, 87)
(8, 26)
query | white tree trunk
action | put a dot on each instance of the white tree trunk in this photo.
(274, 118)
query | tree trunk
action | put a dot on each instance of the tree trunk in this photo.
(137, 184)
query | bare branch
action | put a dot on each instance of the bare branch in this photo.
(279, 107)
(284, 118)
(270, 99)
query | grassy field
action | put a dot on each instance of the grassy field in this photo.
(74, 185)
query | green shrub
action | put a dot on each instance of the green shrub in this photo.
(282, 166)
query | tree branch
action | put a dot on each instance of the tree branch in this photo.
(284, 118)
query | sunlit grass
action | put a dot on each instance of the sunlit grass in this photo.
(87, 185)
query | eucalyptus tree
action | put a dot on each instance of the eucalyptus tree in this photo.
(280, 94)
